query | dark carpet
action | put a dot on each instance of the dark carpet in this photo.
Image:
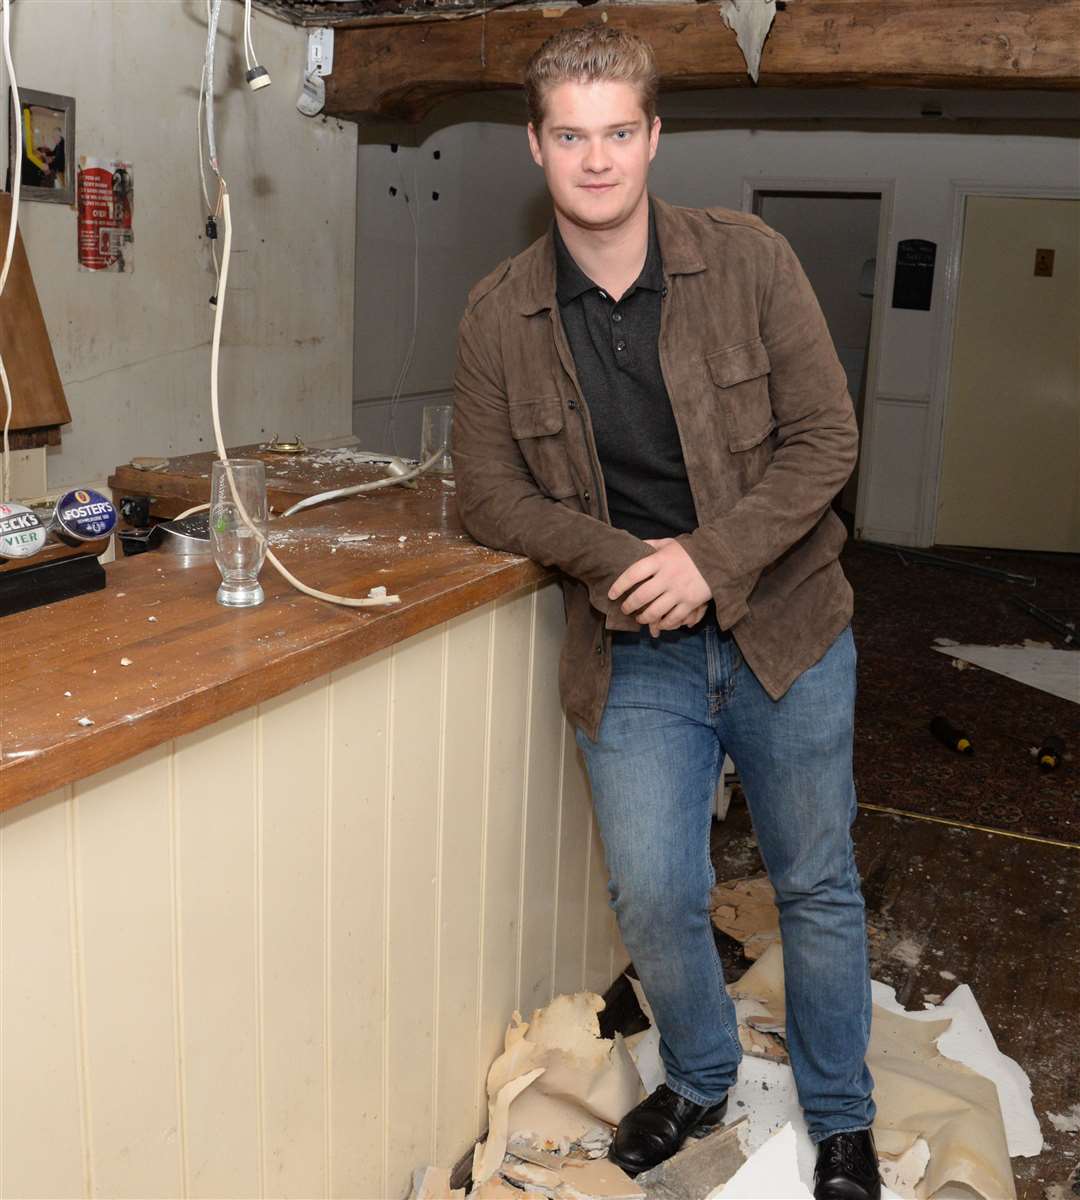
(903, 683)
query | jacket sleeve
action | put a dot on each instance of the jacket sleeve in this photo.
(499, 501)
(815, 449)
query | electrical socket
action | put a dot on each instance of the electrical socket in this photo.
(320, 52)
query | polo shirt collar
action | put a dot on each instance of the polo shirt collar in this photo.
(571, 281)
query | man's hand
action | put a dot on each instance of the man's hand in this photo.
(665, 589)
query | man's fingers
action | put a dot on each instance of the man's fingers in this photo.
(655, 613)
(644, 593)
(633, 575)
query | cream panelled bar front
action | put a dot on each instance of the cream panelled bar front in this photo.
(274, 955)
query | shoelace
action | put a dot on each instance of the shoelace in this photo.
(840, 1155)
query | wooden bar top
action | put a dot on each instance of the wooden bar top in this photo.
(185, 480)
(154, 656)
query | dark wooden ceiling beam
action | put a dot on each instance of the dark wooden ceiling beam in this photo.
(402, 69)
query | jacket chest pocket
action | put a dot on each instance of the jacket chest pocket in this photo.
(537, 423)
(742, 374)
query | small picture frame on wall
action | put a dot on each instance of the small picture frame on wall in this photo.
(48, 160)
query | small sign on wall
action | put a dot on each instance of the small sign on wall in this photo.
(106, 201)
(913, 284)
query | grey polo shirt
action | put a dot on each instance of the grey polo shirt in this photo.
(616, 355)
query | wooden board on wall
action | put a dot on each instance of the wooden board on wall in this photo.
(38, 401)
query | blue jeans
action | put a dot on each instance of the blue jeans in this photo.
(676, 704)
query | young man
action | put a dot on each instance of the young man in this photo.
(648, 399)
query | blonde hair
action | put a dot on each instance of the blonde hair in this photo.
(586, 55)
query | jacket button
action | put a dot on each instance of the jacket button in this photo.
(599, 647)
(586, 496)
(663, 291)
(571, 404)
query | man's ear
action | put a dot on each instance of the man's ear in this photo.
(534, 145)
(654, 137)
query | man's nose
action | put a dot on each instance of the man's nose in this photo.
(596, 156)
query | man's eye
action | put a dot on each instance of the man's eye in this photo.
(622, 134)
(566, 137)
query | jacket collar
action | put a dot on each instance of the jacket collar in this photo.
(678, 248)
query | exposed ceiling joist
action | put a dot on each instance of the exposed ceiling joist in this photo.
(402, 68)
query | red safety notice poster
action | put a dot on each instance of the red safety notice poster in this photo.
(106, 198)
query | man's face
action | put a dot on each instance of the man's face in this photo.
(595, 146)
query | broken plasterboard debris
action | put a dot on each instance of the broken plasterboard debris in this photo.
(598, 1180)
(84, 721)
(354, 537)
(377, 593)
(745, 909)
(433, 1183)
(771, 1173)
(489, 1154)
(969, 1041)
(908, 952)
(582, 1079)
(1066, 1122)
(1035, 663)
(125, 662)
(751, 20)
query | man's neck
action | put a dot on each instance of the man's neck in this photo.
(612, 258)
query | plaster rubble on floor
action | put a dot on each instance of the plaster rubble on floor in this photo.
(555, 1079)
(951, 1108)
(1066, 1122)
(1037, 664)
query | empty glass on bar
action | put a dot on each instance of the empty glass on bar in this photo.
(435, 436)
(238, 522)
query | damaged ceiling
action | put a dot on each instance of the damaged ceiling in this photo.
(397, 59)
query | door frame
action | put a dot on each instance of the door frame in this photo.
(885, 189)
(942, 373)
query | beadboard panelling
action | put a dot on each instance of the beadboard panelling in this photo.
(41, 1133)
(218, 974)
(276, 957)
(542, 817)
(572, 905)
(460, 1115)
(359, 797)
(125, 897)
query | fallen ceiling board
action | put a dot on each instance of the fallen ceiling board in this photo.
(770, 1174)
(1039, 666)
(751, 20)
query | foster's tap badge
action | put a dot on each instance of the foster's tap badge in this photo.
(84, 515)
(21, 533)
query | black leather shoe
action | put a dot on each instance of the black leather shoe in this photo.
(658, 1126)
(847, 1168)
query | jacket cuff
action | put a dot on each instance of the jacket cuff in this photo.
(730, 591)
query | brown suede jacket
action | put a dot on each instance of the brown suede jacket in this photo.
(768, 435)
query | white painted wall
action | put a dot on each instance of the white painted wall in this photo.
(133, 350)
(491, 199)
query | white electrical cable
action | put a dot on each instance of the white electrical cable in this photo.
(341, 493)
(215, 351)
(13, 227)
(249, 48)
(208, 82)
(202, 168)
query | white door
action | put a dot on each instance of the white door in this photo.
(1010, 473)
